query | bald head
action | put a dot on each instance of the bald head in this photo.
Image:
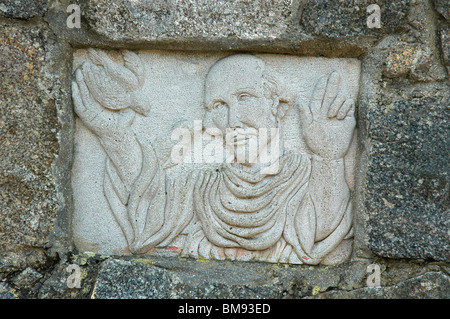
(236, 73)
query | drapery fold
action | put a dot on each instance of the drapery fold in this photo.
(215, 210)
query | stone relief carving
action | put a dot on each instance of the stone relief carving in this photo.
(277, 187)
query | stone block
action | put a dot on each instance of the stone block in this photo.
(406, 190)
(306, 27)
(445, 46)
(346, 19)
(432, 285)
(29, 126)
(23, 9)
(187, 20)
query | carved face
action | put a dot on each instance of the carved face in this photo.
(235, 95)
(238, 104)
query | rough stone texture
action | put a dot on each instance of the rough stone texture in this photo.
(442, 6)
(346, 19)
(316, 27)
(162, 20)
(54, 284)
(27, 278)
(7, 292)
(186, 279)
(28, 128)
(432, 285)
(23, 9)
(414, 53)
(403, 116)
(408, 179)
(445, 46)
(183, 279)
(32, 163)
(14, 258)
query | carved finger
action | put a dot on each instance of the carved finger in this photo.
(331, 91)
(89, 77)
(79, 107)
(85, 114)
(305, 112)
(318, 95)
(83, 89)
(345, 109)
(96, 80)
(351, 113)
(93, 109)
(336, 105)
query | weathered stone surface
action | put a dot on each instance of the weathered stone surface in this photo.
(108, 277)
(23, 9)
(445, 46)
(33, 165)
(7, 292)
(14, 258)
(27, 278)
(173, 278)
(442, 6)
(55, 282)
(28, 128)
(318, 27)
(407, 183)
(432, 285)
(403, 121)
(401, 60)
(168, 20)
(143, 279)
(414, 53)
(348, 18)
(177, 279)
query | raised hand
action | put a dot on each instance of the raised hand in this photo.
(112, 127)
(102, 121)
(328, 121)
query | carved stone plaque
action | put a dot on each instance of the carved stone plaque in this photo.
(245, 157)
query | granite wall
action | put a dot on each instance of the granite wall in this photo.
(402, 211)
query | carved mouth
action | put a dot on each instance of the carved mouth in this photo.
(240, 136)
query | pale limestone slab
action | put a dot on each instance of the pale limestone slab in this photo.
(131, 196)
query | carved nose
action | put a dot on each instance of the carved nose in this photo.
(233, 118)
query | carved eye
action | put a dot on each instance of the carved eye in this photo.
(245, 97)
(217, 104)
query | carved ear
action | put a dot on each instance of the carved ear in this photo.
(281, 107)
